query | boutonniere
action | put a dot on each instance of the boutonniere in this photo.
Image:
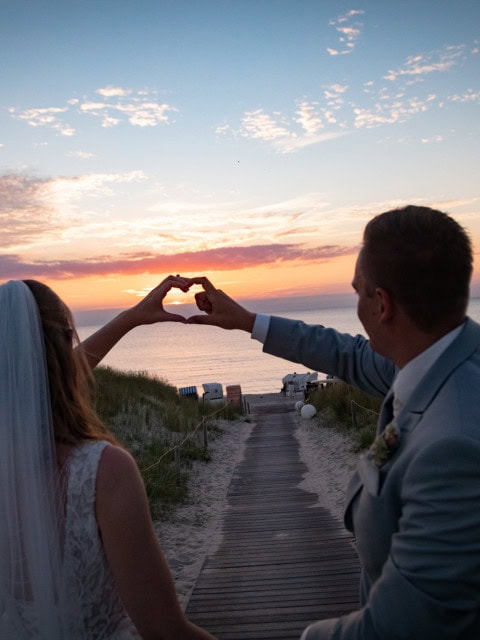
(384, 446)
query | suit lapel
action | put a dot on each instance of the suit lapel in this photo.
(460, 350)
(410, 415)
(386, 412)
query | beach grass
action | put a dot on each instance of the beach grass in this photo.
(349, 410)
(163, 431)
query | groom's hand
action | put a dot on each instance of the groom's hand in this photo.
(221, 310)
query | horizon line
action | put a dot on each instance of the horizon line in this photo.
(260, 305)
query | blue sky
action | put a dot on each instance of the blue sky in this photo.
(250, 140)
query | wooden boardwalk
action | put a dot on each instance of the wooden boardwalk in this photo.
(283, 561)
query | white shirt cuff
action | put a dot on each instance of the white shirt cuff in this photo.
(260, 327)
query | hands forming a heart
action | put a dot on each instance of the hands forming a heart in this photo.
(219, 309)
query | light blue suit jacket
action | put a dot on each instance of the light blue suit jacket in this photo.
(416, 521)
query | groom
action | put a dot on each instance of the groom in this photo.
(414, 511)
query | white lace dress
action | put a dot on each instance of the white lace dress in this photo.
(87, 575)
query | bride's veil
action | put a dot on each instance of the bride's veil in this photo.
(32, 596)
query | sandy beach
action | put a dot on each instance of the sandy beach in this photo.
(194, 529)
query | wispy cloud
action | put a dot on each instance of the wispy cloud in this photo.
(258, 124)
(63, 190)
(393, 103)
(82, 155)
(391, 111)
(53, 217)
(341, 109)
(348, 32)
(138, 108)
(44, 117)
(420, 65)
(436, 138)
(36, 211)
(51, 231)
(110, 91)
(60, 217)
(469, 96)
(308, 119)
(24, 209)
(304, 128)
(223, 258)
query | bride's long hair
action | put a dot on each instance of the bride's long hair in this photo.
(69, 375)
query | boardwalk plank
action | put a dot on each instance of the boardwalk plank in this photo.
(283, 560)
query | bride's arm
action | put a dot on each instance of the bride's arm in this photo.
(147, 311)
(136, 560)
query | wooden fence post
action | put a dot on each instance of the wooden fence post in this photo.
(176, 457)
(205, 435)
(354, 417)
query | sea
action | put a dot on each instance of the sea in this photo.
(194, 355)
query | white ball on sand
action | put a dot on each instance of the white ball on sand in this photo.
(298, 405)
(308, 411)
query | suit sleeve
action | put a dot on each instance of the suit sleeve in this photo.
(347, 357)
(430, 584)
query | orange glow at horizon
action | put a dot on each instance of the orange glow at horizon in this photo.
(277, 280)
(270, 281)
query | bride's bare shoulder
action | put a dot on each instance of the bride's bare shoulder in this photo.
(120, 490)
(117, 461)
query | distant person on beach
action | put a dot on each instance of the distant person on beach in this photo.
(413, 504)
(79, 558)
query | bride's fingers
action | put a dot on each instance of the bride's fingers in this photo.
(179, 282)
(175, 317)
(171, 282)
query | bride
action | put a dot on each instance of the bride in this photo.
(79, 558)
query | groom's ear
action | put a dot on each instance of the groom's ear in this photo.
(385, 304)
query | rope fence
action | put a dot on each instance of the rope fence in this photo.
(176, 448)
(353, 409)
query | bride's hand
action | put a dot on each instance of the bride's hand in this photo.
(147, 311)
(150, 309)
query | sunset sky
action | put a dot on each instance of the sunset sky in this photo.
(248, 140)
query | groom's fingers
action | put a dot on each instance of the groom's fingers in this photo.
(204, 282)
(203, 302)
(175, 317)
(199, 320)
